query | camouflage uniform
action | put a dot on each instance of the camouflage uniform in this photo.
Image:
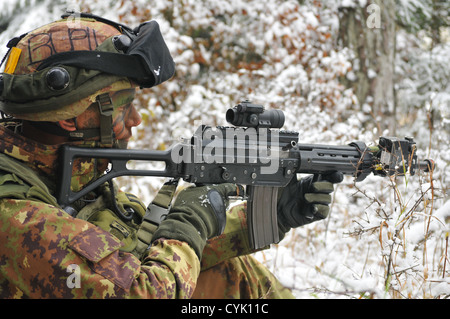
(41, 242)
(47, 253)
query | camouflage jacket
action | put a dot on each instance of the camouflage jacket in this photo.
(46, 253)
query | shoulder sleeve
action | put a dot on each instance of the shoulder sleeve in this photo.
(48, 254)
(232, 243)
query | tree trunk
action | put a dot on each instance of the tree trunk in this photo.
(370, 32)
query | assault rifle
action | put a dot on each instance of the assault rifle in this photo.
(253, 152)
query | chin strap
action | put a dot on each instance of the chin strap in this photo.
(105, 132)
(106, 109)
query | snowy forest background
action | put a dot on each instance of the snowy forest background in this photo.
(341, 71)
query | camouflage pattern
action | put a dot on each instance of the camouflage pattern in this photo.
(43, 247)
(42, 242)
(63, 36)
(225, 276)
(60, 36)
(73, 109)
(46, 253)
(37, 156)
(232, 242)
(44, 159)
(239, 278)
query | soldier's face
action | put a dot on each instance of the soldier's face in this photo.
(125, 115)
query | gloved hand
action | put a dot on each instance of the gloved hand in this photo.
(197, 214)
(305, 201)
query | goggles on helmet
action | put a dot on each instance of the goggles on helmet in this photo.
(139, 54)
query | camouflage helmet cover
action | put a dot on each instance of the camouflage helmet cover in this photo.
(61, 36)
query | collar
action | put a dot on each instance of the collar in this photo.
(40, 157)
(44, 159)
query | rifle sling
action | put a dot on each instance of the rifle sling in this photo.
(156, 212)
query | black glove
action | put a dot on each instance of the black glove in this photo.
(305, 201)
(197, 214)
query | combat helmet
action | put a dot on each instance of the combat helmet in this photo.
(57, 71)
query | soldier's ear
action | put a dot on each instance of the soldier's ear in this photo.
(69, 125)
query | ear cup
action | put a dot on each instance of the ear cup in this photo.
(57, 78)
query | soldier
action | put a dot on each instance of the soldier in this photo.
(67, 83)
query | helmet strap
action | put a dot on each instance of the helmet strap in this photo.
(55, 129)
(105, 131)
(106, 109)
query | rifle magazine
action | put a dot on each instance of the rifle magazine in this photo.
(262, 216)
